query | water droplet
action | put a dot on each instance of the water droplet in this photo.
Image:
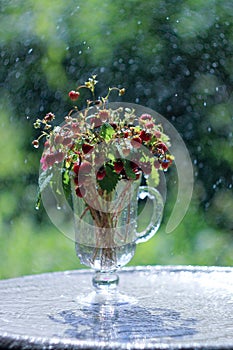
(27, 117)
(176, 95)
(37, 207)
(204, 103)
(209, 129)
(167, 18)
(58, 207)
(30, 51)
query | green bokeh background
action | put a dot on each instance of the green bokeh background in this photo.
(172, 56)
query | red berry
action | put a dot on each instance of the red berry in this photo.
(59, 156)
(76, 168)
(101, 174)
(157, 134)
(162, 146)
(67, 141)
(104, 115)
(149, 125)
(136, 142)
(50, 159)
(145, 136)
(126, 151)
(146, 117)
(76, 180)
(165, 164)
(96, 122)
(87, 148)
(74, 95)
(58, 139)
(134, 167)
(156, 164)
(85, 168)
(75, 127)
(46, 144)
(80, 192)
(118, 166)
(146, 168)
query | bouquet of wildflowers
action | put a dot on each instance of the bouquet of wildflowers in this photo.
(75, 145)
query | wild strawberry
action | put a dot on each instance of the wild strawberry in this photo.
(113, 125)
(146, 167)
(118, 166)
(75, 127)
(145, 116)
(50, 159)
(80, 192)
(136, 142)
(58, 139)
(67, 141)
(49, 117)
(74, 95)
(157, 134)
(156, 164)
(145, 136)
(35, 143)
(126, 151)
(87, 148)
(101, 174)
(149, 125)
(162, 146)
(76, 168)
(104, 115)
(134, 167)
(165, 164)
(85, 168)
(59, 156)
(46, 144)
(76, 180)
(126, 134)
(96, 122)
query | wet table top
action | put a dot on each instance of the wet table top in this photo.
(163, 307)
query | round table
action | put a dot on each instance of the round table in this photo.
(159, 307)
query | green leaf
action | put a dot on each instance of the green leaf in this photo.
(106, 131)
(110, 180)
(128, 170)
(44, 179)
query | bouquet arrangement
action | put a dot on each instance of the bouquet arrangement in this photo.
(101, 153)
(84, 141)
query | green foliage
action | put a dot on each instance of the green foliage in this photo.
(106, 131)
(110, 180)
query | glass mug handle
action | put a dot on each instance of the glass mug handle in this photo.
(157, 212)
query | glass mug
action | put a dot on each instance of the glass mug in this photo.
(106, 226)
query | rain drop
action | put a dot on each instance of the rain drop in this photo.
(58, 207)
(204, 103)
